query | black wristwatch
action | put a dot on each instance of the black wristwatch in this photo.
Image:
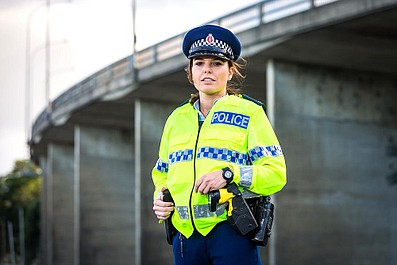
(227, 174)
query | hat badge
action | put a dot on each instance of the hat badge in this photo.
(210, 39)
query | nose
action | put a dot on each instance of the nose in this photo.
(207, 68)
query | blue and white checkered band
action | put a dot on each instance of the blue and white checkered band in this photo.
(212, 44)
(264, 151)
(180, 156)
(162, 166)
(222, 154)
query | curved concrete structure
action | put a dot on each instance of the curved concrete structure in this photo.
(327, 71)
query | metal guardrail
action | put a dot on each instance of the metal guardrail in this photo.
(247, 18)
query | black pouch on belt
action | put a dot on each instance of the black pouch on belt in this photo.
(170, 230)
(263, 211)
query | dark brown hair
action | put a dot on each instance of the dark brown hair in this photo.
(233, 87)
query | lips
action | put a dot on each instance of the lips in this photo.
(207, 79)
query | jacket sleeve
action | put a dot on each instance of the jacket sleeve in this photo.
(160, 169)
(267, 174)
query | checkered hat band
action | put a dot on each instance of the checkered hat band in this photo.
(219, 44)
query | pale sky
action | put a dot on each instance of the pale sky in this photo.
(86, 36)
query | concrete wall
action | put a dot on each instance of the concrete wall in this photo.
(62, 174)
(90, 207)
(337, 128)
(152, 119)
(106, 173)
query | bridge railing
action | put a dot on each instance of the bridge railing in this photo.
(241, 20)
(244, 19)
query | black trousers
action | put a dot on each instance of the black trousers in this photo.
(222, 246)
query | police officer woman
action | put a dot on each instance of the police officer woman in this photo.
(216, 138)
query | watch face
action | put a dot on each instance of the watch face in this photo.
(228, 174)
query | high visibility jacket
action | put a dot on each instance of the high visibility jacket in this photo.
(237, 134)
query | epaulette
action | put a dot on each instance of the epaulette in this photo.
(180, 105)
(244, 96)
(184, 102)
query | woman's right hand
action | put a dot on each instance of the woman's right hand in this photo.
(162, 209)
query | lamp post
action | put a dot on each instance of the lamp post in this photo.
(27, 76)
(138, 223)
(48, 59)
(28, 65)
(133, 27)
(134, 58)
(42, 50)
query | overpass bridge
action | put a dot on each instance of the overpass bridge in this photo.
(327, 71)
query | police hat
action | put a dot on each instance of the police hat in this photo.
(211, 40)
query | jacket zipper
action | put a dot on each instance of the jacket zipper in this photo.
(194, 174)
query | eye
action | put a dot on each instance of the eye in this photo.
(217, 63)
(198, 63)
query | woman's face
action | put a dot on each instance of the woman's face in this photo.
(210, 75)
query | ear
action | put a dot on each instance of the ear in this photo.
(231, 72)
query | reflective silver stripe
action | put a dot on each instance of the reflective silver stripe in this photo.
(220, 209)
(246, 176)
(183, 212)
(203, 211)
(247, 194)
(200, 211)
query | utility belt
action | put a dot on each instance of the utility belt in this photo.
(251, 215)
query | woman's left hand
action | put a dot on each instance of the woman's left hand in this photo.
(209, 182)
